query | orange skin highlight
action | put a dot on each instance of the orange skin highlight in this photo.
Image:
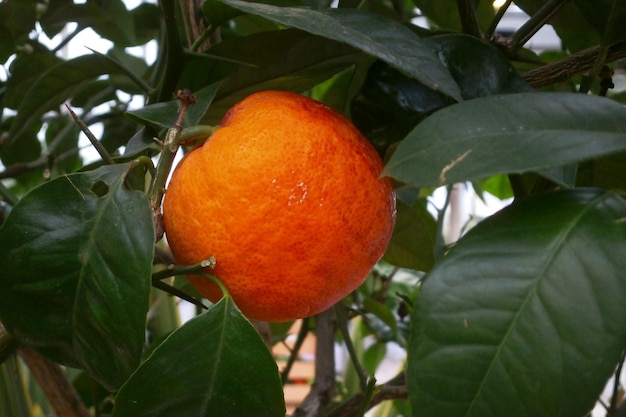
(287, 197)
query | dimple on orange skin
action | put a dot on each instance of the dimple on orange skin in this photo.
(287, 197)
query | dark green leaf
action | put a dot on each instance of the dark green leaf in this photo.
(18, 17)
(608, 172)
(444, 14)
(525, 315)
(109, 19)
(77, 257)
(55, 86)
(383, 38)
(413, 239)
(614, 29)
(390, 100)
(297, 61)
(24, 72)
(147, 22)
(478, 68)
(508, 133)
(215, 364)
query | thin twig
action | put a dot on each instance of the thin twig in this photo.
(532, 25)
(92, 138)
(497, 18)
(294, 353)
(342, 321)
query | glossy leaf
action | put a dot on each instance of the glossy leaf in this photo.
(525, 315)
(54, 86)
(390, 99)
(77, 256)
(215, 364)
(508, 134)
(383, 38)
(413, 239)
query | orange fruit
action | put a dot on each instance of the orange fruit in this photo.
(288, 199)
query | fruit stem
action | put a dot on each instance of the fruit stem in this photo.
(172, 269)
(174, 137)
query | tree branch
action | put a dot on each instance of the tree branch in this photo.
(324, 386)
(575, 64)
(469, 20)
(395, 389)
(60, 393)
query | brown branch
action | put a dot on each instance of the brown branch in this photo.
(395, 389)
(575, 64)
(469, 20)
(323, 388)
(61, 395)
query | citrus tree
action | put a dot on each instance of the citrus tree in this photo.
(524, 315)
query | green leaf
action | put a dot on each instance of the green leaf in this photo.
(525, 316)
(77, 256)
(506, 134)
(389, 100)
(55, 86)
(444, 14)
(413, 239)
(215, 364)
(376, 35)
(164, 115)
(109, 19)
(297, 61)
(614, 29)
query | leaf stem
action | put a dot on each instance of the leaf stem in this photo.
(178, 293)
(203, 37)
(172, 270)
